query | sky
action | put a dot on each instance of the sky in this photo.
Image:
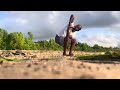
(98, 27)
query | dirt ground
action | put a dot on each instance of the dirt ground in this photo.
(52, 65)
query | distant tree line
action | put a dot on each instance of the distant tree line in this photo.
(17, 40)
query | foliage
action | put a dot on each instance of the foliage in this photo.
(109, 55)
(17, 40)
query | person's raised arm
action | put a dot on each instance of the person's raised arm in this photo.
(70, 24)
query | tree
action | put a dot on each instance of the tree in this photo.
(53, 45)
(29, 44)
(3, 39)
(44, 44)
(78, 46)
(16, 40)
(84, 47)
(30, 35)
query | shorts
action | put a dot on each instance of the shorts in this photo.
(60, 40)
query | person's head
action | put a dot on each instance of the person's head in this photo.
(77, 28)
(72, 18)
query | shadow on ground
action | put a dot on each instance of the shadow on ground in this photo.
(102, 62)
(113, 58)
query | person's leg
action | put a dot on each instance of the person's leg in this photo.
(73, 42)
(65, 45)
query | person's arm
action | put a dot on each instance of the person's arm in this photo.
(68, 30)
(69, 26)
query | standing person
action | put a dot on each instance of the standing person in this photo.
(67, 35)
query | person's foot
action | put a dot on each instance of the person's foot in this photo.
(64, 54)
(71, 54)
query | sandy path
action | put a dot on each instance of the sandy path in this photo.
(63, 68)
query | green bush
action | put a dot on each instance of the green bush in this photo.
(17, 40)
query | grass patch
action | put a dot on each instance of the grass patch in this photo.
(114, 55)
(7, 59)
(51, 58)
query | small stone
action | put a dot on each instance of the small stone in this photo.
(35, 63)
(5, 66)
(84, 66)
(71, 63)
(29, 65)
(23, 54)
(34, 56)
(108, 68)
(81, 64)
(44, 63)
(78, 67)
(13, 64)
(86, 77)
(25, 73)
(44, 66)
(56, 71)
(1, 62)
(89, 67)
(18, 52)
(36, 69)
(97, 68)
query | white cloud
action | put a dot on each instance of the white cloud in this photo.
(102, 39)
(116, 14)
(45, 24)
(20, 20)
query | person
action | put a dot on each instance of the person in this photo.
(67, 35)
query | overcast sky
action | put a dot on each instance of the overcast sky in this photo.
(99, 27)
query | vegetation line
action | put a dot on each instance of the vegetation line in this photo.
(17, 40)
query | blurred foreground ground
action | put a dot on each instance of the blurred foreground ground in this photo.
(52, 65)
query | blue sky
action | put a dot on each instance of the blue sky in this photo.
(99, 27)
(3, 14)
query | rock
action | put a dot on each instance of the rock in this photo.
(86, 77)
(84, 66)
(23, 54)
(44, 63)
(89, 67)
(19, 52)
(13, 64)
(34, 56)
(29, 65)
(6, 53)
(36, 69)
(5, 66)
(79, 67)
(25, 73)
(1, 62)
(56, 71)
(108, 68)
(71, 63)
(35, 63)
(81, 64)
(97, 68)
(44, 66)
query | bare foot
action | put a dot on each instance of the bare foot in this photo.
(71, 54)
(64, 54)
